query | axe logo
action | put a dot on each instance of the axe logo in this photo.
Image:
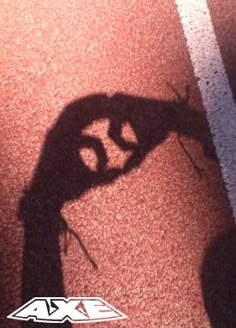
(73, 309)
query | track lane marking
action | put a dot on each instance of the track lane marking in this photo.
(214, 86)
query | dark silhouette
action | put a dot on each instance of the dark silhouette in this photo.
(219, 281)
(62, 176)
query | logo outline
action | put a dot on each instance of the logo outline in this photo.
(14, 316)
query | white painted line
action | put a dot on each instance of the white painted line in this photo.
(214, 86)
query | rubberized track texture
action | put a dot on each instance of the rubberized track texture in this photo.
(110, 186)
